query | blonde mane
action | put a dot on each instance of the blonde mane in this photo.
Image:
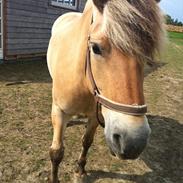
(135, 27)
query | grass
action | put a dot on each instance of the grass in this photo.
(176, 37)
(26, 131)
(167, 79)
(174, 52)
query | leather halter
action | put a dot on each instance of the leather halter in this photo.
(136, 110)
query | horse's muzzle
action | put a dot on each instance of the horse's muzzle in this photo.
(128, 148)
(126, 135)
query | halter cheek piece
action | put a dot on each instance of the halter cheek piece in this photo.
(136, 110)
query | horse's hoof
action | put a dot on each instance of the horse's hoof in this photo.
(80, 178)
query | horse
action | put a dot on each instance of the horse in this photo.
(96, 60)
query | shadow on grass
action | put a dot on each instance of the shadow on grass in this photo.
(151, 68)
(36, 71)
(21, 72)
(164, 155)
(76, 122)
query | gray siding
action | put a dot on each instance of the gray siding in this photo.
(29, 25)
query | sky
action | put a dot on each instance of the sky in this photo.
(173, 7)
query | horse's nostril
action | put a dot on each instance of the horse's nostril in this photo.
(116, 139)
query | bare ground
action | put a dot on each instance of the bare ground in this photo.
(26, 132)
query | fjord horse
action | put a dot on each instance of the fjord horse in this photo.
(96, 58)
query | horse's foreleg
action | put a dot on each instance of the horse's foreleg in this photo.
(59, 120)
(87, 140)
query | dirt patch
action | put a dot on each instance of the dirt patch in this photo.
(26, 132)
(173, 28)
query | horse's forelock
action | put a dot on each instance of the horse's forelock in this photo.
(135, 27)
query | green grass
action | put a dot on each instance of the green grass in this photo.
(176, 37)
(174, 53)
(26, 131)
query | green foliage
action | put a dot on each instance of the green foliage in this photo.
(171, 21)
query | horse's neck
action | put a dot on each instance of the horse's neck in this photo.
(79, 45)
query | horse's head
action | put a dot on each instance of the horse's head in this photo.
(124, 34)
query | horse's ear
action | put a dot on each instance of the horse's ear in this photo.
(100, 4)
(158, 1)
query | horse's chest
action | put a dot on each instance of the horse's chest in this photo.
(73, 99)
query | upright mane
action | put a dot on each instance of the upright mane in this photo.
(134, 26)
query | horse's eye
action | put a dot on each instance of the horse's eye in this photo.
(96, 49)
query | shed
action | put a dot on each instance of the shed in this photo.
(26, 25)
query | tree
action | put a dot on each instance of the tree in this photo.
(171, 21)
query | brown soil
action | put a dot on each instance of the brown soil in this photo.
(173, 28)
(26, 132)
